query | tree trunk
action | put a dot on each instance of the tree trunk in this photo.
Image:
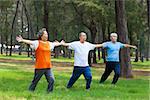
(99, 31)
(46, 16)
(99, 53)
(6, 32)
(2, 46)
(12, 27)
(148, 14)
(6, 45)
(136, 56)
(142, 47)
(56, 50)
(93, 31)
(22, 30)
(104, 38)
(29, 26)
(69, 54)
(37, 16)
(121, 26)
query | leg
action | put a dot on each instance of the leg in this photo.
(88, 76)
(75, 75)
(117, 73)
(107, 72)
(50, 79)
(37, 76)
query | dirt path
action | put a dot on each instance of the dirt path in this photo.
(64, 65)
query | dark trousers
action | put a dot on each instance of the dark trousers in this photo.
(37, 76)
(77, 73)
(111, 66)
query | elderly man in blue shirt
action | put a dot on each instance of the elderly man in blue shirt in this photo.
(112, 60)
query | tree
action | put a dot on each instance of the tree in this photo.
(46, 12)
(5, 9)
(12, 28)
(148, 15)
(122, 30)
(89, 12)
(29, 25)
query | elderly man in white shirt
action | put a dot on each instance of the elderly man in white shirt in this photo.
(81, 50)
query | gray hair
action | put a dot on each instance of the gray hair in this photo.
(114, 34)
(81, 33)
(40, 33)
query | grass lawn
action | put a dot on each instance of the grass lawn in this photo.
(16, 77)
(141, 65)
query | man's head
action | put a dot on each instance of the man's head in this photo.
(82, 37)
(113, 37)
(43, 35)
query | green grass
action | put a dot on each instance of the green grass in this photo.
(62, 59)
(24, 57)
(16, 77)
(143, 65)
(16, 57)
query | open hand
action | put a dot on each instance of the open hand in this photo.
(19, 38)
(62, 42)
(134, 47)
(56, 41)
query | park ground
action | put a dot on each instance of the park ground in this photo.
(16, 73)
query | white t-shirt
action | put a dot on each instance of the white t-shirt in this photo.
(35, 45)
(81, 51)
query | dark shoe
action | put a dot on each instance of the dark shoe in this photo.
(49, 91)
(88, 89)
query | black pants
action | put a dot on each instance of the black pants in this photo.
(37, 76)
(111, 66)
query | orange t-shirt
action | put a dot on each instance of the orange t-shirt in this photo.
(43, 56)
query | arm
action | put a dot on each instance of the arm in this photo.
(64, 44)
(130, 46)
(20, 39)
(99, 45)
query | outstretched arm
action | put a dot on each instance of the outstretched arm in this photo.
(130, 46)
(64, 44)
(20, 39)
(99, 45)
